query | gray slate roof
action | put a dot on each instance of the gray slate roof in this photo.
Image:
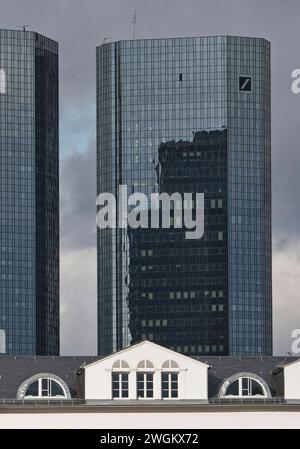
(264, 367)
(14, 370)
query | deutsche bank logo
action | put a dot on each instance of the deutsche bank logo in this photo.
(245, 83)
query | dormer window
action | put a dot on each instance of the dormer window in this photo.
(244, 385)
(44, 386)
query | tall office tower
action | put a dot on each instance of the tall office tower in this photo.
(29, 203)
(156, 94)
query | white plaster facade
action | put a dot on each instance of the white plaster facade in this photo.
(209, 420)
(292, 380)
(192, 374)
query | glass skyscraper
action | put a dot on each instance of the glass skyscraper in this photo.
(162, 95)
(29, 202)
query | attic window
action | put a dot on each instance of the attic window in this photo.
(43, 386)
(244, 384)
(120, 364)
(180, 76)
(145, 364)
(170, 364)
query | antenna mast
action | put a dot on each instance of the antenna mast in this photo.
(23, 27)
(134, 17)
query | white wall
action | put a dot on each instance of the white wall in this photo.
(232, 420)
(192, 379)
(292, 381)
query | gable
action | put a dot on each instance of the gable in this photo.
(147, 350)
(292, 363)
(116, 376)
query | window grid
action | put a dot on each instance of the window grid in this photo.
(144, 385)
(120, 387)
(169, 386)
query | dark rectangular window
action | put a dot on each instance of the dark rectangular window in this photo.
(145, 385)
(180, 76)
(45, 387)
(119, 385)
(169, 385)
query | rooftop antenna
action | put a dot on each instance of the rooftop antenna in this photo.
(23, 27)
(134, 17)
(105, 39)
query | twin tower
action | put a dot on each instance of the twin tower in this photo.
(173, 115)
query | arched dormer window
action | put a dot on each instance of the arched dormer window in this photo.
(169, 380)
(244, 385)
(44, 386)
(120, 365)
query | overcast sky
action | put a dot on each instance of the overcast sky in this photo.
(80, 25)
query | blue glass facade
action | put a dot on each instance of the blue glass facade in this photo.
(151, 92)
(29, 231)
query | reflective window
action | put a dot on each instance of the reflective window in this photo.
(245, 386)
(29, 192)
(45, 388)
(171, 118)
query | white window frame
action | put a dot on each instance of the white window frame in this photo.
(145, 388)
(49, 388)
(250, 380)
(169, 374)
(120, 385)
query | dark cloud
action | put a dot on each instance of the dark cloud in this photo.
(78, 302)
(286, 301)
(78, 200)
(79, 26)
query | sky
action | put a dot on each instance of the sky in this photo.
(79, 26)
